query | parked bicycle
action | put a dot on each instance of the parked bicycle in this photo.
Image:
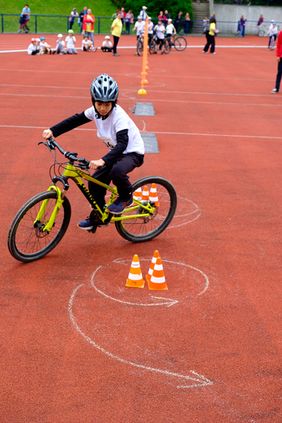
(178, 42)
(42, 221)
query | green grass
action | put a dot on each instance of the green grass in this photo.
(101, 8)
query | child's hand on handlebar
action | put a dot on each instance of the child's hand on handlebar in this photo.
(47, 133)
(95, 164)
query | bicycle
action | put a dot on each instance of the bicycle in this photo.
(178, 42)
(154, 46)
(140, 45)
(42, 221)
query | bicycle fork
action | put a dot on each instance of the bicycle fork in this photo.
(47, 227)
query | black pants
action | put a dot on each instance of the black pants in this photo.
(116, 40)
(279, 75)
(210, 44)
(117, 173)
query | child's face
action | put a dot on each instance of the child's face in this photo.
(103, 108)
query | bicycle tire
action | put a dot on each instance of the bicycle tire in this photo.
(140, 47)
(27, 242)
(147, 228)
(180, 43)
(152, 47)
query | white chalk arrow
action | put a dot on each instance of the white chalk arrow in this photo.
(191, 380)
(157, 301)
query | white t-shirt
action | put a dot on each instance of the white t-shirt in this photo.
(139, 27)
(170, 29)
(160, 30)
(115, 122)
(70, 41)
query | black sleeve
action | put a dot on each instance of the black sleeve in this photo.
(116, 152)
(69, 124)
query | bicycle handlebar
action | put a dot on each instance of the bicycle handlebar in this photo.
(52, 144)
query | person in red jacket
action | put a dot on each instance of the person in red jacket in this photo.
(88, 25)
(279, 68)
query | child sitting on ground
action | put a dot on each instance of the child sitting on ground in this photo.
(33, 47)
(44, 47)
(70, 42)
(87, 44)
(107, 45)
(60, 45)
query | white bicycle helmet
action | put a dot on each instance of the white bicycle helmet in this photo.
(104, 88)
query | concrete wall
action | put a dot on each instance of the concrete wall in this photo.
(228, 15)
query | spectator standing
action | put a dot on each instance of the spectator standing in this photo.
(187, 23)
(210, 44)
(276, 89)
(116, 32)
(72, 16)
(129, 19)
(242, 26)
(260, 21)
(143, 13)
(24, 19)
(272, 35)
(81, 17)
(178, 22)
(162, 17)
(88, 25)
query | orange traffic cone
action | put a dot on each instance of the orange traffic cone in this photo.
(145, 194)
(157, 281)
(153, 194)
(135, 278)
(152, 265)
(137, 195)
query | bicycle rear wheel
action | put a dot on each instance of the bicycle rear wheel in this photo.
(140, 47)
(147, 227)
(27, 239)
(180, 43)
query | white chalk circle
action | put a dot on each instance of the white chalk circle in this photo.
(184, 281)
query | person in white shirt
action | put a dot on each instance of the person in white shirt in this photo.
(60, 45)
(139, 27)
(143, 13)
(170, 31)
(44, 47)
(107, 45)
(119, 133)
(150, 29)
(70, 42)
(33, 47)
(87, 44)
(272, 35)
(160, 34)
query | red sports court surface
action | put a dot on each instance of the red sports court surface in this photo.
(77, 346)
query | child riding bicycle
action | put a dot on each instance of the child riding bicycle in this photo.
(121, 136)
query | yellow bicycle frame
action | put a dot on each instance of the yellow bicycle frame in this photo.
(78, 175)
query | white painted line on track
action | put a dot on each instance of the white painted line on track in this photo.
(169, 133)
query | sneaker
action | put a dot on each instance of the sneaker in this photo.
(86, 224)
(274, 91)
(119, 205)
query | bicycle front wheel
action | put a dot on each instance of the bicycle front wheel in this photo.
(180, 43)
(28, 239)
(147, 226)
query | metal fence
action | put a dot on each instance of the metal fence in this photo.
(51, 24)
(9, 23)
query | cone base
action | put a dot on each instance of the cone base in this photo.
(156, 286)
(138, 284)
